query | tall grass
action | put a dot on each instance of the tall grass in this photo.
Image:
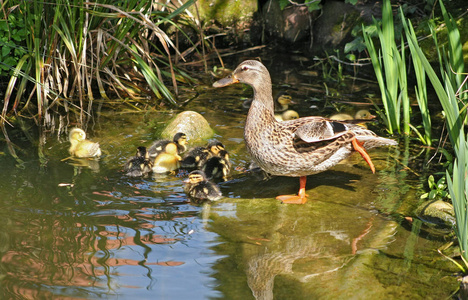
(77, 50)
(389, 62)
(446, 86)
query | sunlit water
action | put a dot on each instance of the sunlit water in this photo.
(82, 230)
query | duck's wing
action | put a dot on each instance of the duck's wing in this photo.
(317, 129)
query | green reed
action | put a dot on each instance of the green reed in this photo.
(77, 50)
(447, 87)
(390, 69)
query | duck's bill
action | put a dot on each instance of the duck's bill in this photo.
(225, 81)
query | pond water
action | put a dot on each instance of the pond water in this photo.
(82, 230)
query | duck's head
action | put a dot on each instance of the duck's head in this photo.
(141, 152)
(180, 138)
(77, 134)
(290, 115)
(196, 176)
(250, 72)
(363, 114)
(214, 147)
(284, 98)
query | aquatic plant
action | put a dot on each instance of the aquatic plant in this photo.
(76, 51)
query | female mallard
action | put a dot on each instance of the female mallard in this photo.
(80, 146)
(299, 147)
(140, 164)
(200, 189)
(282, 102)
(180, 139)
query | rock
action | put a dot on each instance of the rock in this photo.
(227, 13)
(436, 213)
(194, 125)
(332, 29)
(290, 25)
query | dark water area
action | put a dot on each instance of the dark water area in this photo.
(80, 229)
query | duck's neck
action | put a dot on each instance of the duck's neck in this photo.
(263, 94)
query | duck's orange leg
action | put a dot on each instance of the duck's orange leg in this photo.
(358, 147)
(300, 198)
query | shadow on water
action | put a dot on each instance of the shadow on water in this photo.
(80, 229)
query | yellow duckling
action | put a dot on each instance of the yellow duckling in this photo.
(139, 165)
(168, 160)
(362, 114)
(80, 146)
(200, 189)
(287, 115)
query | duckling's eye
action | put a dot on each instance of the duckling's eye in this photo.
(245, 68)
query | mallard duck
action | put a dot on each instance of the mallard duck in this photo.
(197, 156)
(140, 164)
(282, 102)
(180, 139)
(200, 189)
(287, 115)
(360, 116)
(299, 147)
(80, 146)
(168, 160)
(217, 167)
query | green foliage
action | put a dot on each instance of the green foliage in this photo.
(438, 190)
(76, 48)
(458, 188)
(12, 34)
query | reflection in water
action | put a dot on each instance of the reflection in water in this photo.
(74, 231)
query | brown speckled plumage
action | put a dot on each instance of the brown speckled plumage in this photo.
(297, 147)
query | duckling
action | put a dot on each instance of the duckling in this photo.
(217, 167)
(287, 115)
(168, 160)
(282, 101)
(200, 189)
(140, 164)
(80, 146)
(360, 115)
(180, 139)
(197, 156)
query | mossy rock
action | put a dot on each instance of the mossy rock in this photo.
(194, 125)
(436, 213)
(227, 12)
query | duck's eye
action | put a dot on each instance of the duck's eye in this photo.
(245, 68)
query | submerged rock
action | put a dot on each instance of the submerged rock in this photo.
(194, 125)
(436, 213)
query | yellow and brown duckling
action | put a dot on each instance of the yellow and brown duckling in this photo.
(217, 167)
(359, 118)
(300, 147)
(80, 146)
(197, 156)
(140, 164)
(180, 139)
(287, 115)
(167, 161)
(200, 189)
